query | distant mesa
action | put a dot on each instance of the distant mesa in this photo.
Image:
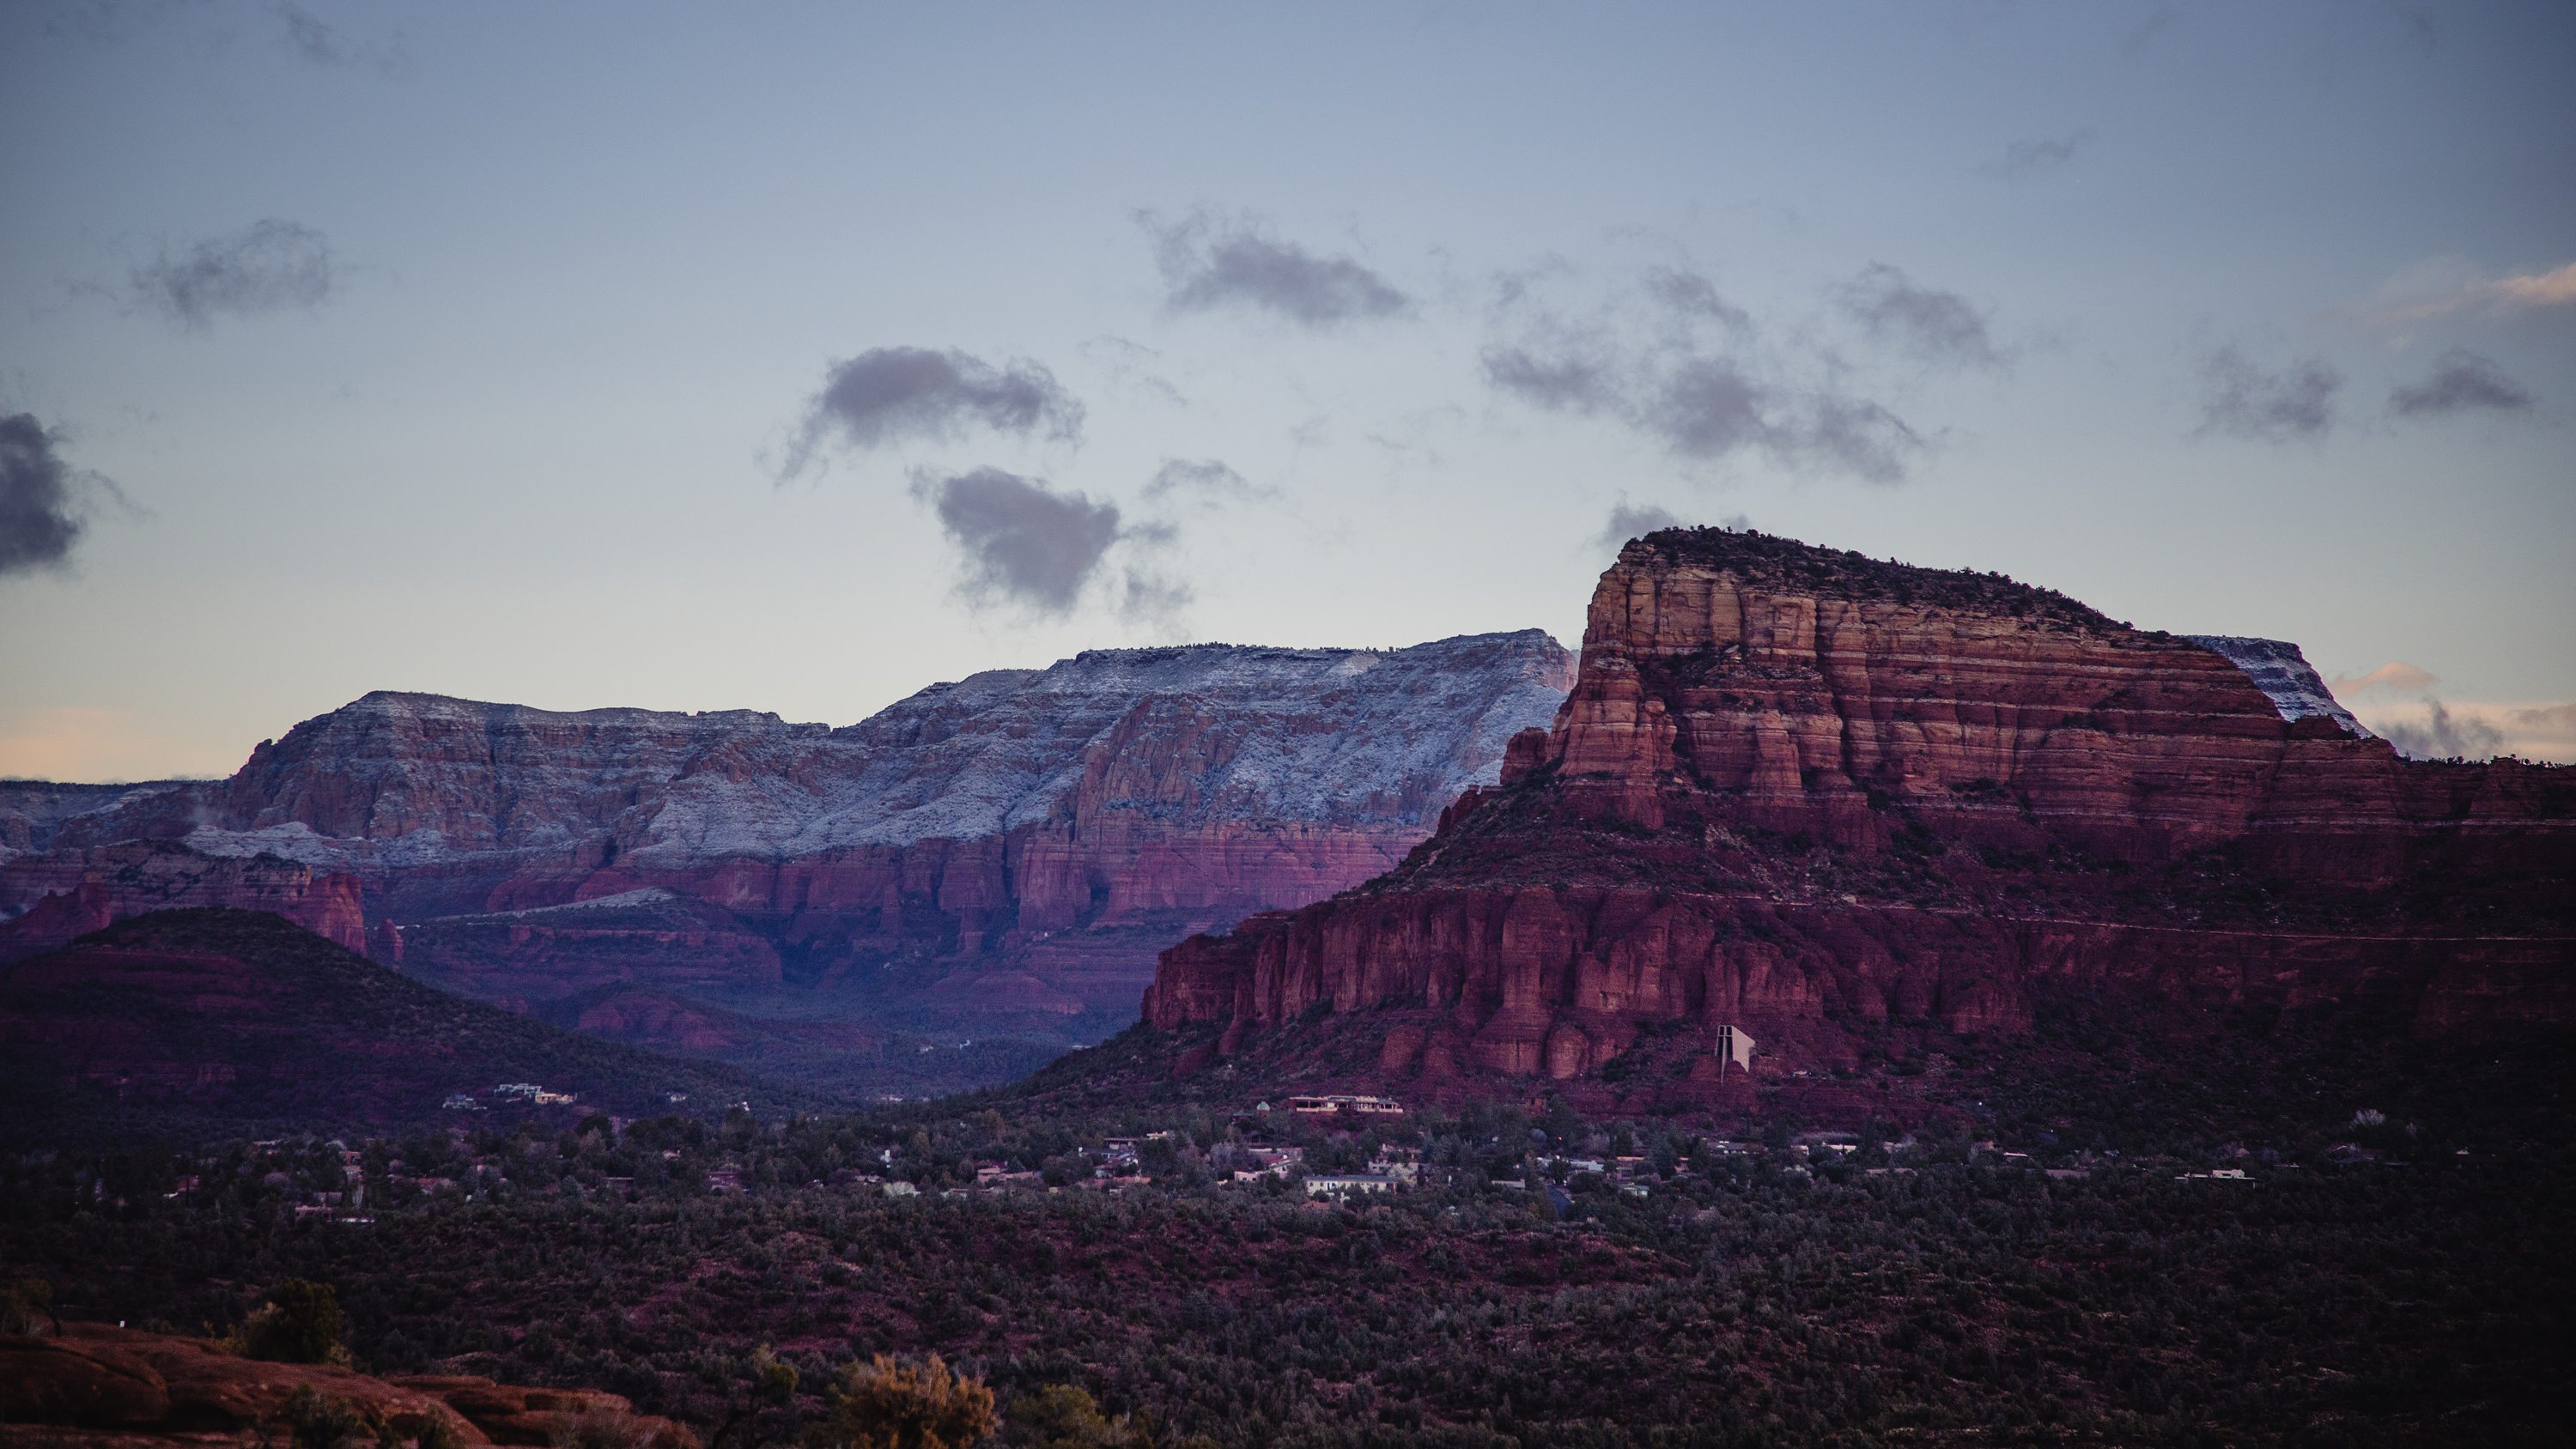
(997, 859)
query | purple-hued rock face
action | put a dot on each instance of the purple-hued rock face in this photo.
(1010, 850)
(1795, 790)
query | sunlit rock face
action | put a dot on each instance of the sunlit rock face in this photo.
(1799, 791)
(1016, 846)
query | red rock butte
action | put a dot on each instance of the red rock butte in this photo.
(1799, 791)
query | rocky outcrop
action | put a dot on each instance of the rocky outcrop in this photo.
(1006, 852)
(70, 893)
(1801, 792)
(94, 1385)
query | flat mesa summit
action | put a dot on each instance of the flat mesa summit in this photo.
(1829, 802)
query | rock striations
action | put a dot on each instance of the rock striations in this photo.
(1806, 794)
(1010, 848)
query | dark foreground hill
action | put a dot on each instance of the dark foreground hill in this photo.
(204, 1020)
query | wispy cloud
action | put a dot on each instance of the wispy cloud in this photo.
(270, 266)
(2461, 381)
(1687, 294)
(1205, 481)
(319, 42)
(1636, 520)
(2396, 674)
(2242, 400)
(2445, 286)
(890, 395)
(1562, 381)
(2035, 155)
(39, 515)
(1937, 326)
(1210, 262)
(2437, 734)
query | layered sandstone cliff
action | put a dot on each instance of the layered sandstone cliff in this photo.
(1013, 847)
(1803, 792)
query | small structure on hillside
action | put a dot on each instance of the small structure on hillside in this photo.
(1361, 1106)
(1734, 1045)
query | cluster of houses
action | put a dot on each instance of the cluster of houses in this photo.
(516, 1093)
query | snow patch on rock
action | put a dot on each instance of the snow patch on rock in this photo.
(2283, 673)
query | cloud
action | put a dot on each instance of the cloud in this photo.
(2241, 400)
(1688, 294)
(2461, 382)
(1561, 382)
(1937, 326)
(319, 42)
(1207, 481)
(1859, 437)
(2436, 729)
(1727, 398)
(38, 519)
(2556, 288)
(269, 267)
(2440, 735)
(2442, 286)
(1146, 596)
(1708, 408)
(2396, 674)
(2036, 155)
(1209, 262)
(1629, 521)
(893, 394)
(1024, 543)
(2541, 732)
(1711, 408)
(1130, 363)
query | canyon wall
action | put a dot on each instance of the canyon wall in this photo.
(1803, 792)
(1013, 848)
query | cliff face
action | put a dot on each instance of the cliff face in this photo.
(1803, 793)
(71, 893)
(1017, 845)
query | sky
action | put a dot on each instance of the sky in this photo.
(797, 356)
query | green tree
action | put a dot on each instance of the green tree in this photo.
(884, 1404)
(300, 1323)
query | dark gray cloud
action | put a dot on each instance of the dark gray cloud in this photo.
(1689, 294)
(1024, 543)
(2442, 735)
(38, 524)
(895, 394)
(1205, 480)
(270, 266)
(2242, 400)
(2461, 382)
(2031, 157)
(1562, 381)
(1936, 326)
(1210, 262)
(1708, 407)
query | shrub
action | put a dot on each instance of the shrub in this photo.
(883, 1404)
(300, 1323)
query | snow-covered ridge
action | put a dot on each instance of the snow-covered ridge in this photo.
(1198, 735)
(2283, 673)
